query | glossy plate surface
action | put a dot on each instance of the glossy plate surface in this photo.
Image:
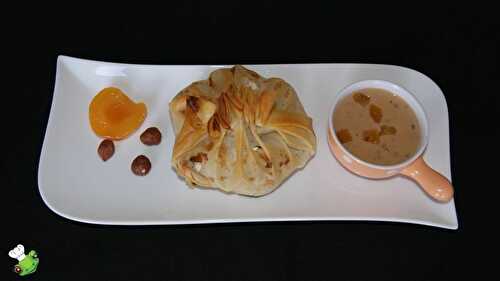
(76, 184)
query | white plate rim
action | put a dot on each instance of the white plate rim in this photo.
(231, 220)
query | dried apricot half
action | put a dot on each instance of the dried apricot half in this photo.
(114, 115)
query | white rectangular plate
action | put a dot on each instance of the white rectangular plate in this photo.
(76, 184)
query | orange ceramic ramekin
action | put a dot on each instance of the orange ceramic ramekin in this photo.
(433, 183)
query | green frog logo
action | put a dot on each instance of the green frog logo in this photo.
(27, 264)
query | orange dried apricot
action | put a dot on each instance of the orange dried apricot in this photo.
(114, 115)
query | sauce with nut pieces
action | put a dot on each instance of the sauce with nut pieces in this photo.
(377, 126)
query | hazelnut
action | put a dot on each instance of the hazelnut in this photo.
(141, 165)
(152, 136)
(106, 149)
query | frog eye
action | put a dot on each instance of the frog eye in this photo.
(17, 269)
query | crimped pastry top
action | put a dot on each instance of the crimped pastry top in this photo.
(240, 132)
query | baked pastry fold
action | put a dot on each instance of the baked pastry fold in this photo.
(239, 132)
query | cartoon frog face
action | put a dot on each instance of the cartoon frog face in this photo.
(27, 264)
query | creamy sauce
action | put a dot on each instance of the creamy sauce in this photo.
(377, 126)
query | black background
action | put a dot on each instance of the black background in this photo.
(456, 46)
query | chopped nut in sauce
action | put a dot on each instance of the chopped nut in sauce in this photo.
(376, 113)
(361, 98)
(344, 135)
(382, 132)
(371, 136)
(387, 130)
